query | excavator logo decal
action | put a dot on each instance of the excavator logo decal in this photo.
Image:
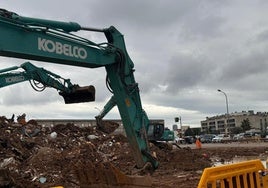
(14, 79)
(62, 49)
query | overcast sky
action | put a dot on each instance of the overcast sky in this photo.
(183, 52)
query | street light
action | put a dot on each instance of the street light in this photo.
(226, 99)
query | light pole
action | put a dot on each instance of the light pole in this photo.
(226, 99)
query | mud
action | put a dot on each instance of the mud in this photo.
(70, 156)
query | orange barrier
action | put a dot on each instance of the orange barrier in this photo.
(248, 174)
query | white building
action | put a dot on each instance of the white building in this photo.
(223, 123)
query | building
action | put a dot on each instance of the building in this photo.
(223, 123)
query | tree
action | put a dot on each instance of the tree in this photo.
(188, 132)
(196, 131)
(245, 125)
(236, 130)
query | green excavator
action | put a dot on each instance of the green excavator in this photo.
(41, 78)
(57, 42)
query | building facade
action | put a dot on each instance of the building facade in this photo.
(224, 123)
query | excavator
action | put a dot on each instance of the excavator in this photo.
(56, 42)
(41, 78)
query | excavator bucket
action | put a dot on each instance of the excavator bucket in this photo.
(107, 126)
(79, 94)
(106, 175)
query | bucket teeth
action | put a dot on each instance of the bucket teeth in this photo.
(107, 175)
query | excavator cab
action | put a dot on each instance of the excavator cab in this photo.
(158, 132)
(160, 136)
(155, 131)
(79, 94)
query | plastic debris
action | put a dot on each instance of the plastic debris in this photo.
(92, 137)
(7, 161)
(42, 179)
(53, 135)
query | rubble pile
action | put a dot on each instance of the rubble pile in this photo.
(65, 155)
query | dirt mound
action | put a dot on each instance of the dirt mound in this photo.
(107, 126)
(70, 156)
(67, 155)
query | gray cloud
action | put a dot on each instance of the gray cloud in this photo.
(186, 71)
(183, 52)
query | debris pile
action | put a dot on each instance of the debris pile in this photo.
(65, 155)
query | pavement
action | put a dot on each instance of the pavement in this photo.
(232, 144)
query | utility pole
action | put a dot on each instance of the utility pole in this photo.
(227, 109)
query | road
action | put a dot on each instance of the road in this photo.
(232, 144)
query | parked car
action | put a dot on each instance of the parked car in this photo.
(266, 138)
(218, 139)
(206, 138)
(251, 134)
(239, 136)
(189, 139)
(179, 140)
(248, 134)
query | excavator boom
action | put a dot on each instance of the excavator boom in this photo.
(48, 41)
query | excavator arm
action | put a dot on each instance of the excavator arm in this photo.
(41, 78)
(53, 41)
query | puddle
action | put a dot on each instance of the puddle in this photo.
(237, 159)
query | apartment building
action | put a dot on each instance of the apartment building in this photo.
(223, 123)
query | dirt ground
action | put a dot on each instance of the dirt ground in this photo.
(68, 156)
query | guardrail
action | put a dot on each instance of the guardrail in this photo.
(248, 174)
